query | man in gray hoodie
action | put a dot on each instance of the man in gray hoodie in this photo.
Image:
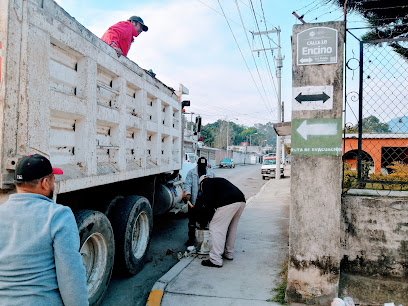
(39, 259)
(191, 188)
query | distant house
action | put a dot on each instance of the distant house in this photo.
(380, 149)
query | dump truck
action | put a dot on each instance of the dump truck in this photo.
(114, 129)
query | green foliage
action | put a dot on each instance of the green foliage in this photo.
(349, 177)
(208, 133)
(280, 294)
(371, 124)
(390, 19)
(281, 289)
(215, 134)
(399, 174)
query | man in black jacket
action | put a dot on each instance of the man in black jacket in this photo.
(227, 202)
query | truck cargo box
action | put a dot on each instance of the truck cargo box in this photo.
(65, 94)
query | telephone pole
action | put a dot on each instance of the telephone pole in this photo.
(279, 64)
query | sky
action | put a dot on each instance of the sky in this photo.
(206, 45)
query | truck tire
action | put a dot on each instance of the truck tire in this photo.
(132, 223)
(97, 248)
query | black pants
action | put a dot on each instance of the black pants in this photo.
(191, 223)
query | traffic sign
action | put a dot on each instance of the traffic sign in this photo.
(317, 46)
(312, 98)
(316, 137)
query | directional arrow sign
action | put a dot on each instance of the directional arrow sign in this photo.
(317, 129)
(320, 97)
(320, 136)
(312, 98)
(305, 60)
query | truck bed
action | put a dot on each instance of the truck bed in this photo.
(66, 95)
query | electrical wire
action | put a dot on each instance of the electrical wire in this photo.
(316, 6)
(263, 46)
(218, 12)
(298, 10)
(246, 35)
(238, 114)
(325, 14)
(256, 13)
(266, 29)
(243, 56)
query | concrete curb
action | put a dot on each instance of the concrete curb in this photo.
(249, 201)
(157, 292)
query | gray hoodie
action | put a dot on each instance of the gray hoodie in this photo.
(39, 259)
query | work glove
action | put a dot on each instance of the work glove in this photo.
(187, 197)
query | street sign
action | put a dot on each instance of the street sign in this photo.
(316, 137)
(312, 98)
(317, 46)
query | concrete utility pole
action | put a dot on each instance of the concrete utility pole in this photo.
(279, 64)
(315, 231)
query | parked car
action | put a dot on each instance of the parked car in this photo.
(227, 162)
(268, 168)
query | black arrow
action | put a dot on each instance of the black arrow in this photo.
(320, 97)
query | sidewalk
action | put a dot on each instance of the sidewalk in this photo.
(260, 251)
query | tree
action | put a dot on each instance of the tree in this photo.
(208, 133)
(388, 17)
(266, 131)
(371, 124)
(215, 134)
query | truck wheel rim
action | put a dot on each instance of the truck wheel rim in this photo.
(94, 254)
(140, 235)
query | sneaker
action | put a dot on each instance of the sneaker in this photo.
(208, 263)
(227, 258)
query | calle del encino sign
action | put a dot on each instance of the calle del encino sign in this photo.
(317, 46)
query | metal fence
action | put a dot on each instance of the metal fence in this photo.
(375, 145)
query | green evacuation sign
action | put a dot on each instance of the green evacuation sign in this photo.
(316, 137)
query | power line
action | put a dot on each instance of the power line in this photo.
(256, 13)
(325, 14)
(246, 35)
(269, 66)
(218, 12)
(266, 29)
(316, 6)
(205, 108)
(243, 56)
(305, 6)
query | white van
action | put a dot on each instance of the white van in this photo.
(268, 168)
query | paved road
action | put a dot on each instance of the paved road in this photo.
(169, 235)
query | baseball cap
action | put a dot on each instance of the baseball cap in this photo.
(202, 161)
(139, 20)
(202, 178)
(33, 167)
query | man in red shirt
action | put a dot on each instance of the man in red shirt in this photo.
(120, 35)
